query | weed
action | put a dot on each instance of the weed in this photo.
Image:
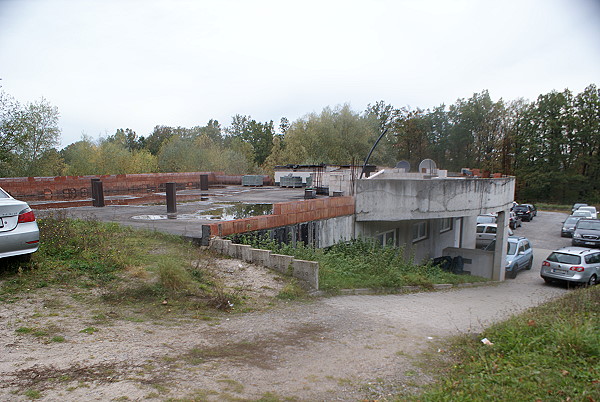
(291, 291)
(89, 330)
(33, 394)
(57, 339)
(24, 330)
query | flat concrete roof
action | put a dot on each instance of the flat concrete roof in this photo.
(189, 218)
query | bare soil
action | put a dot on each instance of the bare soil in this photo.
(57, 345)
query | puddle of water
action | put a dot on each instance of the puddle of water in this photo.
(231, 212)
(237, 211)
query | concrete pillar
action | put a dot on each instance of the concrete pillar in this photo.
(499, 268)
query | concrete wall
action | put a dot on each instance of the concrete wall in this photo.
(478, 262)
(334, 230)
(381, 199)
(305, 271)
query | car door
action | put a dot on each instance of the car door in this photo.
(527, 254)
(521, 258)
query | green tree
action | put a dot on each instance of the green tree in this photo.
(334, 136)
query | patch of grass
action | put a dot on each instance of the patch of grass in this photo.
(89, 330)
(550, 353)
(363, 264)
(127, 269)
(291, 291)
(57, 339)
(33, 394)
(554, 207)
(24, 330)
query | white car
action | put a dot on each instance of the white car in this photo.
(19, 233)
(591, 209)
(486, 233)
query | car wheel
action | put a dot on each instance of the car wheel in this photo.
(592, 281)
(529, 265)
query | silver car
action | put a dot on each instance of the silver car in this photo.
(572, 264)
(19, 233)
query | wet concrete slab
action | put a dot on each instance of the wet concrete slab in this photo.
(194, 208)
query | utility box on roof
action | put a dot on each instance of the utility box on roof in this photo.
(252, 180)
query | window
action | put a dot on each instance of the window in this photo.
(387, 238)
(446, 225)
(419, 231)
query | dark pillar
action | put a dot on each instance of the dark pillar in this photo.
(97, 193)
(171, 198)
(203, 182)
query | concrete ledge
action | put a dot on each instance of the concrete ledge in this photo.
(305, 271)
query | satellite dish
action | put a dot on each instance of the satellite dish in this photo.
(427, 166)
(403, 165)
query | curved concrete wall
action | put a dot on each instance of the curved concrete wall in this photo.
(409, 199)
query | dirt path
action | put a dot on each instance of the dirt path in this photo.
(340, 348)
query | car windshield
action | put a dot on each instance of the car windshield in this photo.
(588, 224)
(4, 194)
(521, 208)
(582, 213)
(511, 249)
(564, 258)
(572, 220)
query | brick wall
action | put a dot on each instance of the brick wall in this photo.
(121, 183)
(286, 214)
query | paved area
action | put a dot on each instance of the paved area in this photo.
(191, 215)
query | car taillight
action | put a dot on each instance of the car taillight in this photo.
(578, 269)
(26, 216)
(545, 264)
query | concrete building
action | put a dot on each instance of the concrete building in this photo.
(432, 215)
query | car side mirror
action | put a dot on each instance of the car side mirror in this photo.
(521, 252)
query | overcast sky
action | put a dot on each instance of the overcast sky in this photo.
(136, 64)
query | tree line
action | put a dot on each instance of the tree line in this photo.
(551, 145)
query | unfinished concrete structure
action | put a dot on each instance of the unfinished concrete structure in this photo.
(427, 214)
(434, 215)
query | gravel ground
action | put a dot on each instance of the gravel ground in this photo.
(344, 348)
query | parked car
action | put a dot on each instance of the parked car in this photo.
(514, 221)
(533, 209)
(486, 233)
(519, 255)
(582, 214)
(572, 264)
(569, 226)
(487, 218)
(587, 233)
(576, 206)
(591, 209)
(19, 233)
(525, 212)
